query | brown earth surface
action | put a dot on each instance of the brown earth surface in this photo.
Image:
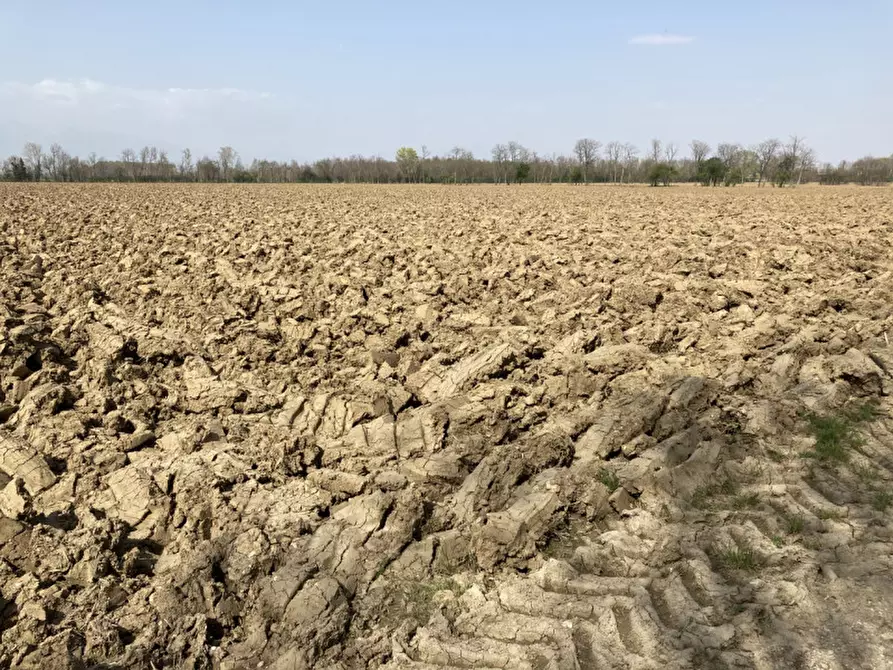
(445, 427)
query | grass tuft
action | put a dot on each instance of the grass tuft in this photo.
(703, 496)
(829, 514)
(742, 558)
(866, 474)
(863, 412)
(609, 479)
(794, 525)
(834, 437)
(881, 500)
(837, 434)
(745, 501)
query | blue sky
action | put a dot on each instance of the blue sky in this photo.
(306, 80)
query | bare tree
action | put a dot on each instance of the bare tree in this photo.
(699, 152)
(731, 155)
(128, 157)
(799, 156)
(795, 146)
(153, 162)
(586, 151)
(54, 161)
(806, 162)
(765, 151)
(500, 155)
(92, 160)
(726, 152)
(614, 151)
(62, 162)
(34, 159)
(655, 150)
(226, 159)
(515, 151)
(629, 157)
(670, 152)
(164, 165)
(425, 154)
(460, 160)
(144, 161)
(186, 164)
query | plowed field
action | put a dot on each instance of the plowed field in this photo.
(445, 427)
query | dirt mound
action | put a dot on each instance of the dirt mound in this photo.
(444, 428)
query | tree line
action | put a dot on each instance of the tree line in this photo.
(769, 162)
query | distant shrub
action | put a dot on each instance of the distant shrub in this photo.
(244, 177)
(712, 172)
(661, 173)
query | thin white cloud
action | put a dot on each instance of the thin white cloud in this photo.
(662, 40)
(86, 93)
(88, 112)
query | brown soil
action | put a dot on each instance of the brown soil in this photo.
(423, 427)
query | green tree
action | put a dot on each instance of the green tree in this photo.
(576, 175)
(522, 172)
(661, 173)
(784, 171)
(734, 176)
(15, 169)
(243, 176)
(712, 171)
(408, 163)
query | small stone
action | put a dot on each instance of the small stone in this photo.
(6, 411)
(638, 445)
(140, 439)
(621, 500)
(21, 371)
(425, 313)
(718, 301)
(14, 500)
(380, 356)
(9, 528)
(32, 610)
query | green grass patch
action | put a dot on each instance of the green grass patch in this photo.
(743, 559)
(881, 500)
(419, 596)
(829, 514)
(866, 474)
(745, 501)
(794, 525)
(776, 456)
(836, 435)
(862, 412)
(609, 479)
(704, 496)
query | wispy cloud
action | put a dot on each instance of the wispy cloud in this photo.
(99, 114)
(99, 96)
(662, 40)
